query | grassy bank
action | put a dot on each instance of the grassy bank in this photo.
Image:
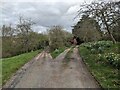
(68, 56)
(56, 52)
(103, 60)
(12, 64)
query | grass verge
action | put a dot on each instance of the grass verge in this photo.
(106, 75)
(68, 56)
(12, 64)
(56, 52)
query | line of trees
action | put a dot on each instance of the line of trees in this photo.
(58, 37)
(87, 29)
(107, 14)
(21, 38)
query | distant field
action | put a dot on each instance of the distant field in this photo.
(103, 60)
(12, 64)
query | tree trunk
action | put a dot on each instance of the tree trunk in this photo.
(107, 27)
(113, 39)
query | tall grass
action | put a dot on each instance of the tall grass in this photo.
(106, 74)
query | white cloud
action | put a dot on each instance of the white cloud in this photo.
(73, 9)
(39, 29)
(52, 1)
(43, 12)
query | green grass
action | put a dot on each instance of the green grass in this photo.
(56, 52)
(12, 64)
(68, 56)
(106, 75)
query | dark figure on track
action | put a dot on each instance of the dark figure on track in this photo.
(76, 41)
(79, 41)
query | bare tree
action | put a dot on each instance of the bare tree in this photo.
(24, 28)
(104, 12)
(7, 31)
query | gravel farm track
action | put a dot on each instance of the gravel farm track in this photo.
(45, 72)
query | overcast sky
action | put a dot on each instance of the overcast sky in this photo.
(44, 13)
